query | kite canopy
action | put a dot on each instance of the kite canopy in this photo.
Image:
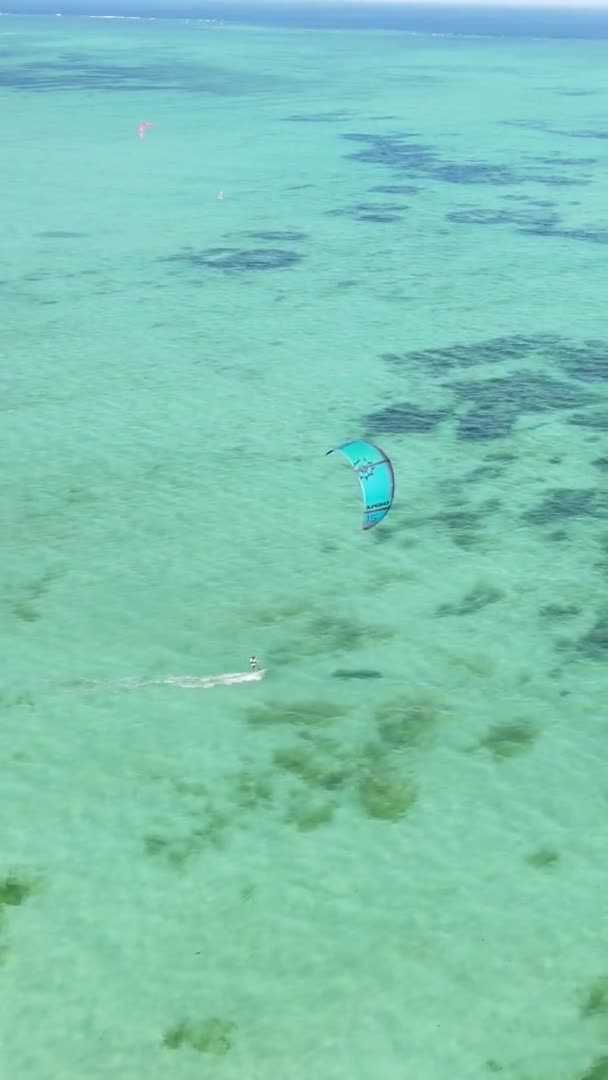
(376, 477)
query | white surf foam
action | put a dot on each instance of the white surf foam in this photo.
(187, 682)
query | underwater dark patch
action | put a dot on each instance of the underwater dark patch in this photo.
(595, 1001)
(563, 503)
(542, 858)
(505, 740)
(366, 137)
(555, 180)
(71, 57)
(382, 218)
(475, 600)
(587, 361)
(60, 234)
(559, 611)
(484, 472)
(522, 391)
(557, 536)
(480, 215)
(464, 524)
(530, 223)
(318, 118)
(526, 124)
(356, 673)
(383, 794)
(379, 217)
(539, 228)
(88, 74)
(584, 133)
(279, 236)
(209, 1036)
(14, 890)
(543, 125)
(486, 424)
(394, 189)
(601, 463)
(418, 159)
(392, 151)
(594, 644)
(558, 159)
(463, 519)
(469, 354)
(590, 234)
(233, 260)
(369, 211)
(505, 456)
(476, 172)
(596, 421)
(404, 418)
(495, 404)
(574, 93)
(597, 1070)
(499, 402)
(518, 197)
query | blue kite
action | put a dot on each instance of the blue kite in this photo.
(376, 477)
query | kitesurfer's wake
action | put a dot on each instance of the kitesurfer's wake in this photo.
(193, 682)
(187, 682)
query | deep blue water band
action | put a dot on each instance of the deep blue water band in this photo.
(510, 22)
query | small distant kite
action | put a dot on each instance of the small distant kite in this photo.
(376, 478)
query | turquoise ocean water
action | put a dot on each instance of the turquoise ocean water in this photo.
(388, 859)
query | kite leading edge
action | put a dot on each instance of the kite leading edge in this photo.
(376, 477)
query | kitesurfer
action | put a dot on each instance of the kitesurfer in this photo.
(253, 663)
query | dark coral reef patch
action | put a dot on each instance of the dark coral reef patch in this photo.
(235, 260)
